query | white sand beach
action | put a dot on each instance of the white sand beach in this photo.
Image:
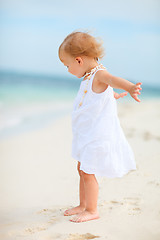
(39, 181)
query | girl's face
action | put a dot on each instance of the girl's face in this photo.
(74, 64)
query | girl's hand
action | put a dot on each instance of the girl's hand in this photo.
(134, 91)
(121, 95)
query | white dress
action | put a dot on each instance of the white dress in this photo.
(98, 142)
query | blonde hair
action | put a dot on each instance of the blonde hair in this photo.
(82, 44)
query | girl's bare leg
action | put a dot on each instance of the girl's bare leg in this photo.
(91, 194)
(82, 205)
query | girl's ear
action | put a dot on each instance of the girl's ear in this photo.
(79, 60)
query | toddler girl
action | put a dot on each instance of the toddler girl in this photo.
(99, 144)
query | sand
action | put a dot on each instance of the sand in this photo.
(39, 181)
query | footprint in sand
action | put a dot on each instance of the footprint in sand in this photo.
(51, 217)
(111, 204)
(51, 213)
(47, 211)
(116, 202)
(82, 236)
(32, 230)
(133, 205)
(132, 201)
(157, 184)
(134, 211)
(148, 136)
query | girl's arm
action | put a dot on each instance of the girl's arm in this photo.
(117, 82)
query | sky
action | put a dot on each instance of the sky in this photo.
(32, 30)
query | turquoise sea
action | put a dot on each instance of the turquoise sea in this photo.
(30, 101)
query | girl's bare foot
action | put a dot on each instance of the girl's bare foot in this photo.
(73, 211)
(85, 216)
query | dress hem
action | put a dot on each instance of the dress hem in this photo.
(109, 176)
(106, 175)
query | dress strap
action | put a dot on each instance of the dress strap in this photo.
(95, 73)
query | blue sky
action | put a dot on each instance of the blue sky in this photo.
(32, 30)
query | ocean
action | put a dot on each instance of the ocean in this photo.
(29, 101)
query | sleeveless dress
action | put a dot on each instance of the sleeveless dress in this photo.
(98, 142)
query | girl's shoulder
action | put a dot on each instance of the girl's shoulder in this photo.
(103, 77)
(101, 73)
(98, 86)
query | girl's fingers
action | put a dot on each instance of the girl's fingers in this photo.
(137, 87)
(137, 92)
(123, 94)
(139, 83)
(136, 98)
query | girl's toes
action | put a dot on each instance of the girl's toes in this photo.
(85, 216)
(66, 213)
(74, 219)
